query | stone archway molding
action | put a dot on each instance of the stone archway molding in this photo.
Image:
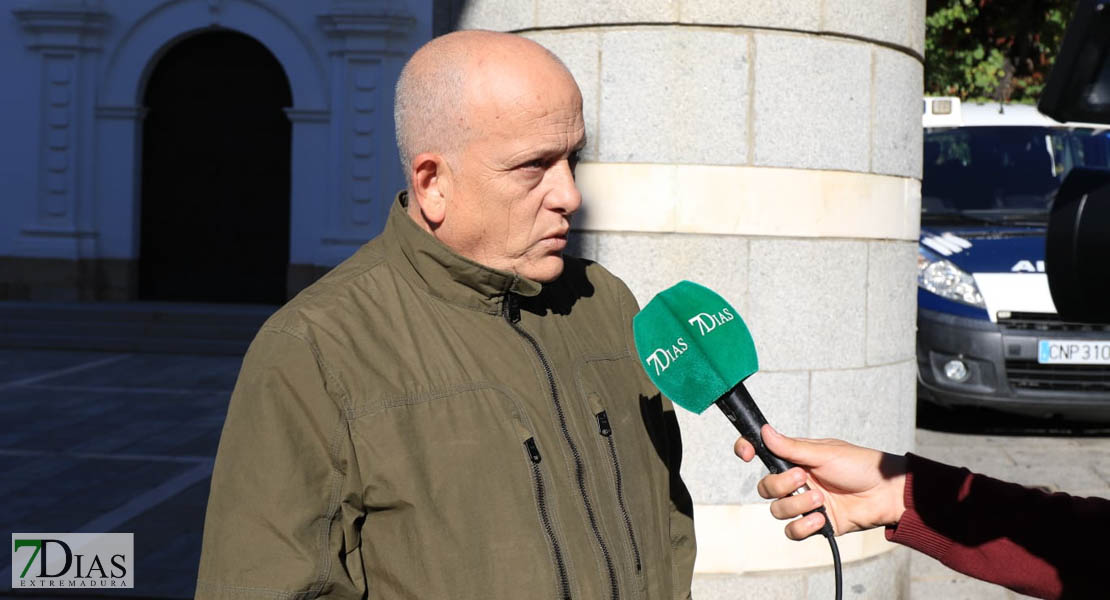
(129, 63)
(119, 112)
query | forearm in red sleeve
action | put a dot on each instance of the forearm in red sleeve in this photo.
(1025, 539)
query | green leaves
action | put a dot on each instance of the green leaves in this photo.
(1000, 50)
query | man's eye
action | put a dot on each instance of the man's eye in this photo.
(534, 164)
(573, 160)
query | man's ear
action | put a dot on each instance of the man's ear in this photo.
(431, 186)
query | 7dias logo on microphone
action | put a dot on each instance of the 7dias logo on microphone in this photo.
(73, 560)
(707, 322)
(661, 358)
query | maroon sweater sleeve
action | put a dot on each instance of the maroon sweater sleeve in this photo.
(1035, 543)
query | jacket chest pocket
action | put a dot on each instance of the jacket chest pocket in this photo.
(547, 522)
(625, 427)
(605, 430)
(451, 472)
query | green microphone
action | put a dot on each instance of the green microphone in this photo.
(698, 351)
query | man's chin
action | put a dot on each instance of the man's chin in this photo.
(545, 270)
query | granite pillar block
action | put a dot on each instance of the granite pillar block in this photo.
(564, 14)
(879, 20)
(652, 262)
(872, 406)
(498, 15)
(674, 95)
(891, 301)
(807, 303)
(802, 15)
(896, 136)
(812, 104)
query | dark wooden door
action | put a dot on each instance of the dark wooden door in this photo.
(215, 173)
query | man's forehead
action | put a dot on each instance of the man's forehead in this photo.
(509, 104)
(538, 109)
(523, 86)
(541, 124)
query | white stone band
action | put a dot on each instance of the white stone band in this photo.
(741, 200)
(746, 538)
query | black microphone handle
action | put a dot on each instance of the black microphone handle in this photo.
(740, 408)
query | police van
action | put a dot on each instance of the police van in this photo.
(988, 333)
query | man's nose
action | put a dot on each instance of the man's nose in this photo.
(563, 196)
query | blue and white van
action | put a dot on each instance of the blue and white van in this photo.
(988, 333)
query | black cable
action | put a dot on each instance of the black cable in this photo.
(836, 564)
(827, 531)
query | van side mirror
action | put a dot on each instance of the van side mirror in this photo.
(1077, 247)
(1078, 88)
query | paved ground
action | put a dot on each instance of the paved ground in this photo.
(124, 442)
(113, 442)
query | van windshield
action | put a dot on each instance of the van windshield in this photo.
(1003, 174)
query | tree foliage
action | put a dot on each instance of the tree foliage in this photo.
(1000, 50)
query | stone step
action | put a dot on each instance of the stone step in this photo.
(124, 344)
(131, 326)
(156, 329)
(136, 311)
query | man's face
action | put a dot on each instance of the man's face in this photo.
(513, 188)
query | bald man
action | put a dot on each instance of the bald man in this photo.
(456, 411)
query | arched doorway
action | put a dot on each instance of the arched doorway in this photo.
(215, 173)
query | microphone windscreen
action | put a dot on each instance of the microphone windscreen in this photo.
(693, 345)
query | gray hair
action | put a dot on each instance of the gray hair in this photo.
(427, 108)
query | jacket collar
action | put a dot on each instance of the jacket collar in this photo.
(429, 264)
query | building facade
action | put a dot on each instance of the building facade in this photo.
(147, 142)
(770, 150)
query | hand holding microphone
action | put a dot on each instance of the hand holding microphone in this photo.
(860, 488)
(697, 350)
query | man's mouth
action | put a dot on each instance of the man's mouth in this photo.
(556, 241)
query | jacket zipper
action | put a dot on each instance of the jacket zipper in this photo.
(545, 517)
(510, 310)
(607, 432)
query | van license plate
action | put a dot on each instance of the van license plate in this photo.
(1073, 352)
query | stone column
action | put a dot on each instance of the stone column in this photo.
(772, 151)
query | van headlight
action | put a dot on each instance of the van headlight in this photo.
(945, 279)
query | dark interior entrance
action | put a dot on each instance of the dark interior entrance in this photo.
(215, 174)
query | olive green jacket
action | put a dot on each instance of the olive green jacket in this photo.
(417, 425)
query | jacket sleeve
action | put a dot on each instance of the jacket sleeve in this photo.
(284, 502)
(1030, 541)
(683, 542)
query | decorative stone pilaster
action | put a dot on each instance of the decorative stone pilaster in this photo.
(67, 38)
(363, 37)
